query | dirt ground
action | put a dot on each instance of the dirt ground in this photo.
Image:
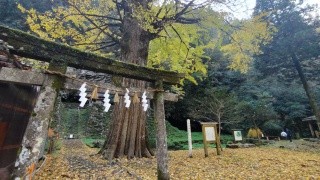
(281, 160)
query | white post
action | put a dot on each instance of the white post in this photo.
(189, 138)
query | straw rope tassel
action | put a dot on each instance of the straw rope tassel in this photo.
(94, 95)
(116, 98)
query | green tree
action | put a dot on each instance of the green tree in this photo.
(215, 105)
(245, 41)
(295, 41)
(134, 31)
(123, 30)
(11, 16)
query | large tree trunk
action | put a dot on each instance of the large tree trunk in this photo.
(127, 135)
(311, 96)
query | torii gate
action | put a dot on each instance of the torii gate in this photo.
(60, 56)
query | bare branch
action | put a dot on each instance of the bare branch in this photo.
(97, 26)
(93, 43)
(184, 9)
(184, 20)
(106, 46)
(160, 10)
(99, 16)
(118, 5)
(179, 36)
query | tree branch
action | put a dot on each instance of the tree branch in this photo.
(179, 36)
(97, 26)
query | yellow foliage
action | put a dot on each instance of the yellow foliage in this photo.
(245, 42)
(69, 25)
(175, 53)
(181, 47)
(76, 161)
(254, 133)
(172, 51)
(86, 24)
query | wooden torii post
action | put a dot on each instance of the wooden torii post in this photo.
(60, 56)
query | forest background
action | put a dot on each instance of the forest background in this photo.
(263, 89)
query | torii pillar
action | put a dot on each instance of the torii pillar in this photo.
(34, 139)
(162, 149)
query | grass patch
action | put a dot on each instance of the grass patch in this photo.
(92, 141)
(56, 146)
(181, 143)
(176, 139)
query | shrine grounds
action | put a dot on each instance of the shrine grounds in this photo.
(281, 160)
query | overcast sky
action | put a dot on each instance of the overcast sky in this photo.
(244, 8)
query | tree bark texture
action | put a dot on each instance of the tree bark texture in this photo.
(127, 135)
(311, 96)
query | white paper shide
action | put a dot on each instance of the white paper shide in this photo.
(127, 100)
(144, 101)
(83, 95)
(106, 101)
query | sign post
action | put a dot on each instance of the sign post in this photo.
(210, 135)
(237, 135)
(189, 138)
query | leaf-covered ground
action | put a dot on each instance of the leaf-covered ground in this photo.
(77, 161)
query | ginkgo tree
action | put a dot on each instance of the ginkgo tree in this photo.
(245, 42)
(166, 34)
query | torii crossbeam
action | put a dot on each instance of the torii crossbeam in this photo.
(30, 46)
